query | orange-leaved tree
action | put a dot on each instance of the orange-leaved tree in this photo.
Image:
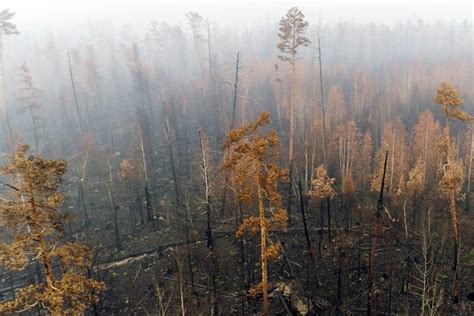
(254, 176)
(36, 227)
(323, 191)
(452, 178)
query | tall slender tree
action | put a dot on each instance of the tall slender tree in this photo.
(255, 178)
(292, 29)
(373, 239)
(141, 80)
(450, 101)
(196, 23)
(6, 28)
(321, 89)
(236, 89)
(74, 92)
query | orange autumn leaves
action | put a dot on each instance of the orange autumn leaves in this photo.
(36, 230)
(254, 176)
(450, 101)
(249, 157)
(323, 185)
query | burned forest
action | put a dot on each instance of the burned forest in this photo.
(294, 163)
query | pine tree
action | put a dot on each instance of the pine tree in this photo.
(94, 80)
(453, 176)
(140, 79)
(414, 186)
(197, 23)
(156, 43)
(363, 165)
(450, 101)
(336, 106)
(322, 185)
(323, 191)
(426, 132)
(254, 178)
(345, 147)
(291, 33)
(128, 174)
(37, 233)
(29, 96)
(395, 138)
(348, 190)
(6, 28)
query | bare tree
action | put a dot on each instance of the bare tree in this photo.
(74, 91)
(236, 87)
(323, 110)
(427, 285)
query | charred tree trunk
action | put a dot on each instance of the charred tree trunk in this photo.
(469, 172)
(232, 125)
(169, 144)
(82, 203)
(303, 208)
(188, 251)
(132, 215)
(139, 206)
(76, 102)
(209, 234)
(149, 208)
(114, 207)
(236, 87)
(376, 226)
(340, 255)
(207, 190)
(323, 110)
(321, 227)
(328, 205)
(143, 130)
(291, 142)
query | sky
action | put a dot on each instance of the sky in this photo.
(55, 14)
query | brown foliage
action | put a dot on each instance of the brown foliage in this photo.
(448, 97)
(322, 185)
(292, 29)
(255, 178)
(36, 229)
